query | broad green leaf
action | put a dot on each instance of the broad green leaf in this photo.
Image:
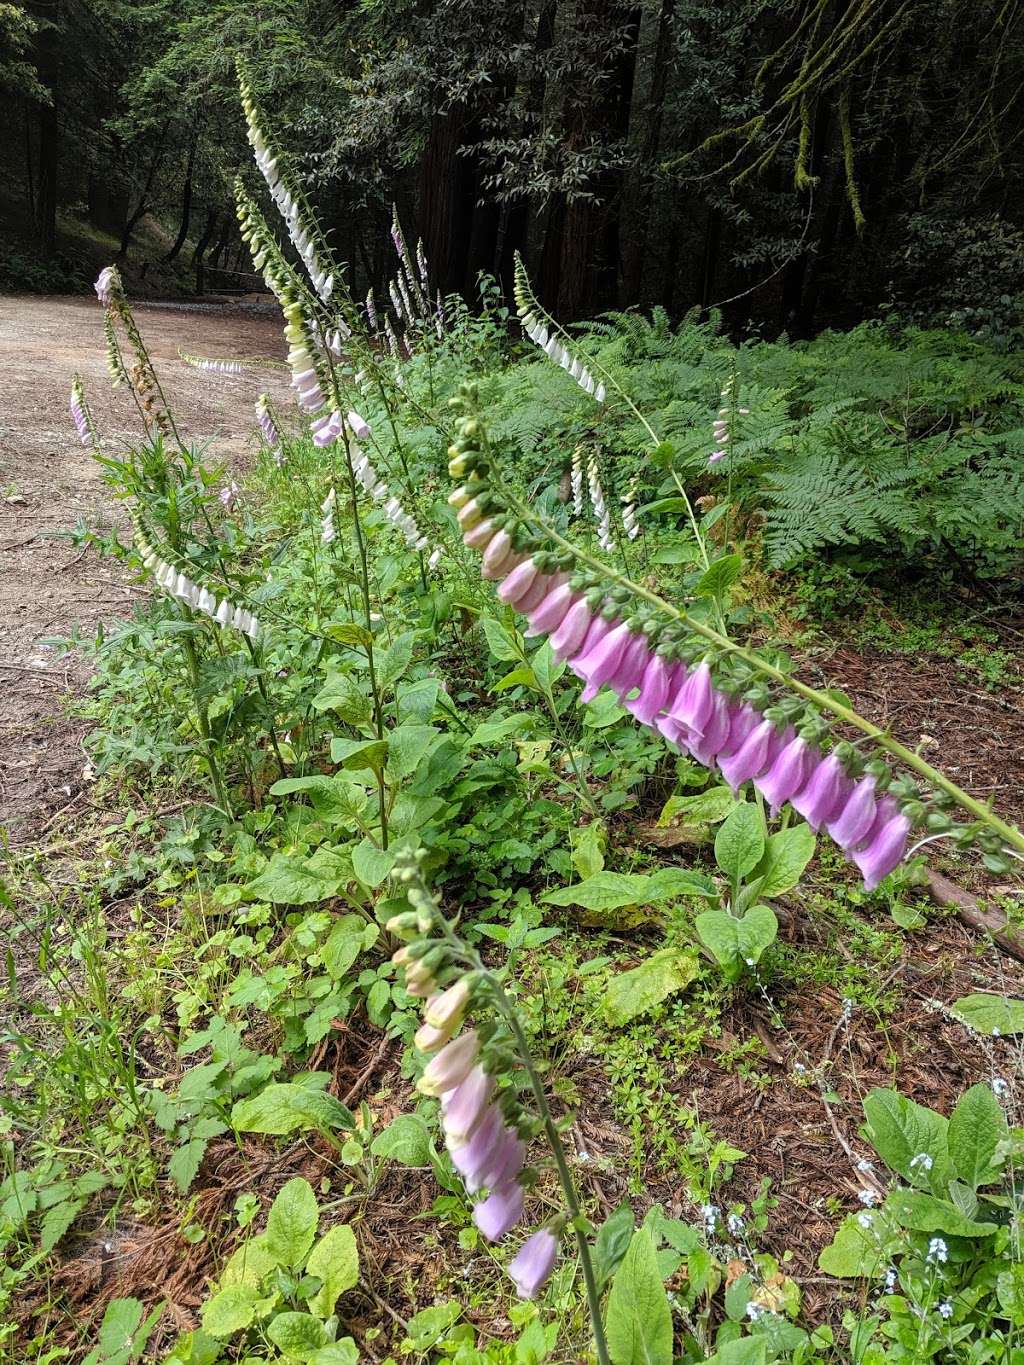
(900, 1130)
(348, 633)
(120, 1323)
(631, 993)
(283, 1107)
(345, 942)
(370, 863)
(337, 799)
(603, 711)
(406, 1139)
(612, 1241)
(704, 808)
(669, 882)
(230, 1311)
(976, 1128)
(996, 1015)
(1010, 1293)
(416, 700)
(926, 1213)
(297, 1335)
(57, 1220)
(744, 1351)
(734, 941)
(856, 1251)
(739, 843)
(408, 745)
(638, 1321)
(611, 890)
(429, 1325)
(343, 1352)
(721, 575)
(288, 880)
(356, 754)
(587, 855)
(496, 731)
(602, 891)
(391, 665)
(786, 855)
(248, 1264)
(343, 695)
(185, 1162)
(522, 676)
(545, 667)
(335, 1261)
(291, 1223)
(501, 644)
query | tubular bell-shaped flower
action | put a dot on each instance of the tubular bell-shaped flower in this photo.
(534, 1263)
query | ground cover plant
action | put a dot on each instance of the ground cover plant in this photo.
(502, 811)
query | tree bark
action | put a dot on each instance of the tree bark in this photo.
(198, 256)
(46, 54)
(143, 205)
(186, 199)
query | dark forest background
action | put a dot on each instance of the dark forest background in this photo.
(805, 164)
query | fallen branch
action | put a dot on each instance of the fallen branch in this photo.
(972, 913)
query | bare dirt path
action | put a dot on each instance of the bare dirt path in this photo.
(49, 483)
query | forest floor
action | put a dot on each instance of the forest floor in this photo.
(49, 484)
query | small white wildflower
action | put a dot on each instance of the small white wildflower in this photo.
(945, 1310)
(869, 1198)
(799, 1068)
(922, 1161)
(938, 1252)
(735, 1224)
(755, 1312)
(864, 1219)
(847, 1009)
(749, 961)
(999, 1086)
(865, 1165)
(710, 1212)
(890, 1280)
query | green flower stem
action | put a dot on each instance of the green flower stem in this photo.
(1013, 837)
(204, 725)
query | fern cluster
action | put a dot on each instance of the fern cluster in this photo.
(906, 445)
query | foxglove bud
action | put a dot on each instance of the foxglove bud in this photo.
(534, 1263)
(451, 1066)
(447, 1010)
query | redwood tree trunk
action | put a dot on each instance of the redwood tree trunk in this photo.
(186, 200)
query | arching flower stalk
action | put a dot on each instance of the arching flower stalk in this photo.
(266, 420)
(723, 427)
(707, 696)
(487, 1127)
(288, 195)
(177, 583)
(142, 376)
(213, 365)
(81, 414)
(628, 499)
(115, 361)
(413, 289)
(371, 310)
(601, 514)
(576, 481)
(551, 341)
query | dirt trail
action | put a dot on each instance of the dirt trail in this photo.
(49, 483)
